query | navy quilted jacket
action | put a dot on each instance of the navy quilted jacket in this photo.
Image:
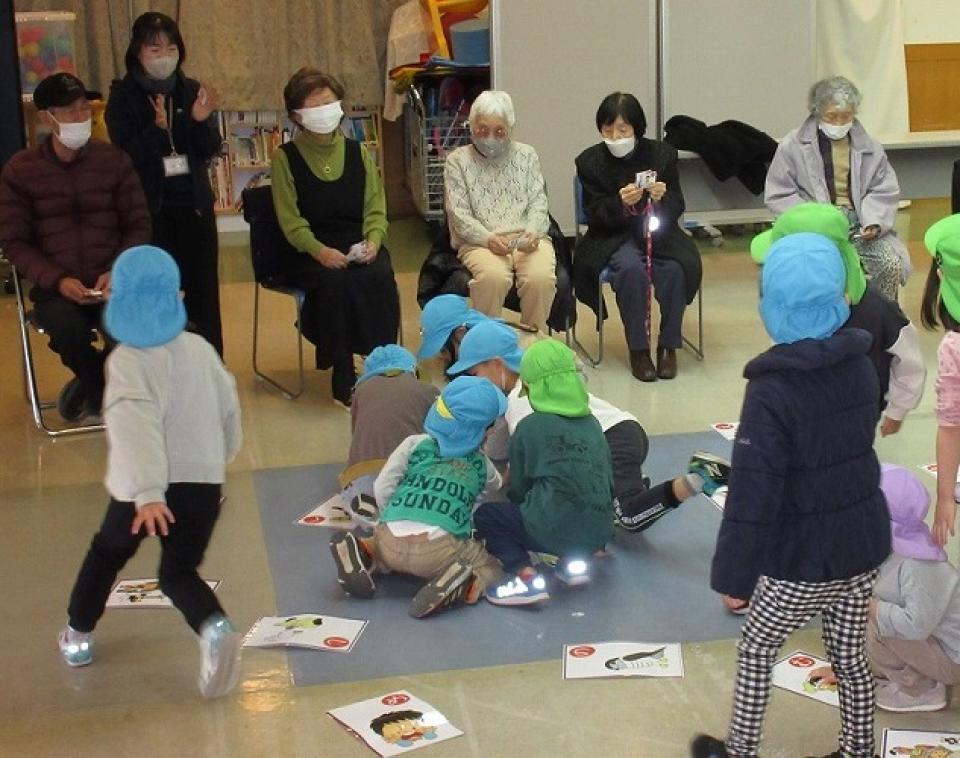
(805, 503)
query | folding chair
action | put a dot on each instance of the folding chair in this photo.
(580, 221)
(37, 406)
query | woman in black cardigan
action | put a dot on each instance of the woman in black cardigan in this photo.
(614, 206)
(166, 123)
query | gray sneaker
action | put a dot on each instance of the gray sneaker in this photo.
(891, 698)
(353, 565)
(454, 586)
(220, 651)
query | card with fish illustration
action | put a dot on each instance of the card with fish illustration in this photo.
(597, 660)
(920, 743)
(798, 673)
(395, 723)
(143, 593)
(331, 513)
(726, 429)
(306, 630)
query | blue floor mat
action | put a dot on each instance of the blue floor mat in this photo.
(655, 587)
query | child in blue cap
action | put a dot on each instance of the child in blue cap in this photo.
(805, 526)
(173, 422)
(389, 404)
(426, 492)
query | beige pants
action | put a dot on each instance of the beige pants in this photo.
(494, 275)
(913, 665)
(428, 558)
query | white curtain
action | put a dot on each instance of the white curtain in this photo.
(863, 41)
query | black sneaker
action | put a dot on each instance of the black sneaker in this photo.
(364, 510)
(454, 586)
(714, 470)
(353, 565)
(71, 400)
(705, 746)
(342, 382)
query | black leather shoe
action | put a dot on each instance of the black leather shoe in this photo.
(70, 401)
(666, 362)
(641, 366)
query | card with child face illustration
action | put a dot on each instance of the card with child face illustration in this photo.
(912, 743)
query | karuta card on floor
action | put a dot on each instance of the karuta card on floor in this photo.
(931, 468)
(719, 498)
(920, 743)
(330, 513)
(395, 723)
(795, 673)
(306, 630)
(726, 429)
(144, 593)
(596, 660)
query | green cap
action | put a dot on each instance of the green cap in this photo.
(550, 379)
(818, 218)
(942, 240)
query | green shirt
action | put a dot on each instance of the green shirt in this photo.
(562, 476)
(317, 155)
(438, 491)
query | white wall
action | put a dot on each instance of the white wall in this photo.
(931, 21)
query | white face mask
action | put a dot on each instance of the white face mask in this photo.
(834, 131)
(161, 68)
(322, 119)
(620, 147)
(74, 135)
(490, 147)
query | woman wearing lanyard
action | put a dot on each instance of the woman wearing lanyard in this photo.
(166, 123)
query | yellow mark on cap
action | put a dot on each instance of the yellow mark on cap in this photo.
(443, 410)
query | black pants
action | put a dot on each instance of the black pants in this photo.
(190, 236)
(71, 330)
(639, 504)
(195, 508)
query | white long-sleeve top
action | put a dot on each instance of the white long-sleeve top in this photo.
(172, 415)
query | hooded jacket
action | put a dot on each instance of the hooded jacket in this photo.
(805, 503)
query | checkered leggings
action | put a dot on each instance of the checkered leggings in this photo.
(777, 609)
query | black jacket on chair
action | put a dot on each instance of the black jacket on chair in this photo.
(270, 252)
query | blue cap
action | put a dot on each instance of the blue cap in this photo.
(388, 360)
(145, 308)
(461, 414)
(803, 284)
(491, 339)
(440, 317)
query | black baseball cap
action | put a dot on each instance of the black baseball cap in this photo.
(59, 90)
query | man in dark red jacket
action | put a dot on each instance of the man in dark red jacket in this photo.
(68, 208)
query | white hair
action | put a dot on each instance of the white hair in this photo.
(496, 103)
(837, 90)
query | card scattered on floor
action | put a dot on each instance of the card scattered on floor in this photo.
(331, 513)
(597, 660)
(726, 429)
(395, 723)
(794, 673)
(307, 630)
(920, 743)
(719, 498)
(144, 593)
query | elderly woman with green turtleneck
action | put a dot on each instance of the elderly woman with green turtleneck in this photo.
(331, 207)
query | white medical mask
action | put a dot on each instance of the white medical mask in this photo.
(834, 131)
(74, 135)
(490, 147)
(322, 119)
(620, 147)
(161, 68)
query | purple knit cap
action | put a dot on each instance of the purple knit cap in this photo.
(908, 502)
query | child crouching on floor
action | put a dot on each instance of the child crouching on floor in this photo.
(389, 404)
(427, 491)
(173, 422)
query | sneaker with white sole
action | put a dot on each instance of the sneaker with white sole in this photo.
(364, 511)
(455, 585)
(529, 590)
(714, 470)
(220, 657)
(573, 572)
(891, 698)
(353, 565)
(76, 647)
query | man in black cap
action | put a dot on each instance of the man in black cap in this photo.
(68, 208)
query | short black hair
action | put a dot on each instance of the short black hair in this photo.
(626, 106)
(146, 29)
(388, 718)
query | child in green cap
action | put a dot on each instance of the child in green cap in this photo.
(561, 481)
(941, 306)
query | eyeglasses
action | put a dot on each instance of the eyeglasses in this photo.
(483, 133)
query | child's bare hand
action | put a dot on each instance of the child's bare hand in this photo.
(889, 426)
(822, 674)
(155, 517)
(944, 521)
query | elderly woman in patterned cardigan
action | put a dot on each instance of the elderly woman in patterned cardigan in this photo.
(496, 205)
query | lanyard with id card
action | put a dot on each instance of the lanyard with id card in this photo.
(173, 164)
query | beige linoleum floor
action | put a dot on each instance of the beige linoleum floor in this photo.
(139, 697)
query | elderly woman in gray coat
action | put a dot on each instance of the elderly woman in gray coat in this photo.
(830, 158)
